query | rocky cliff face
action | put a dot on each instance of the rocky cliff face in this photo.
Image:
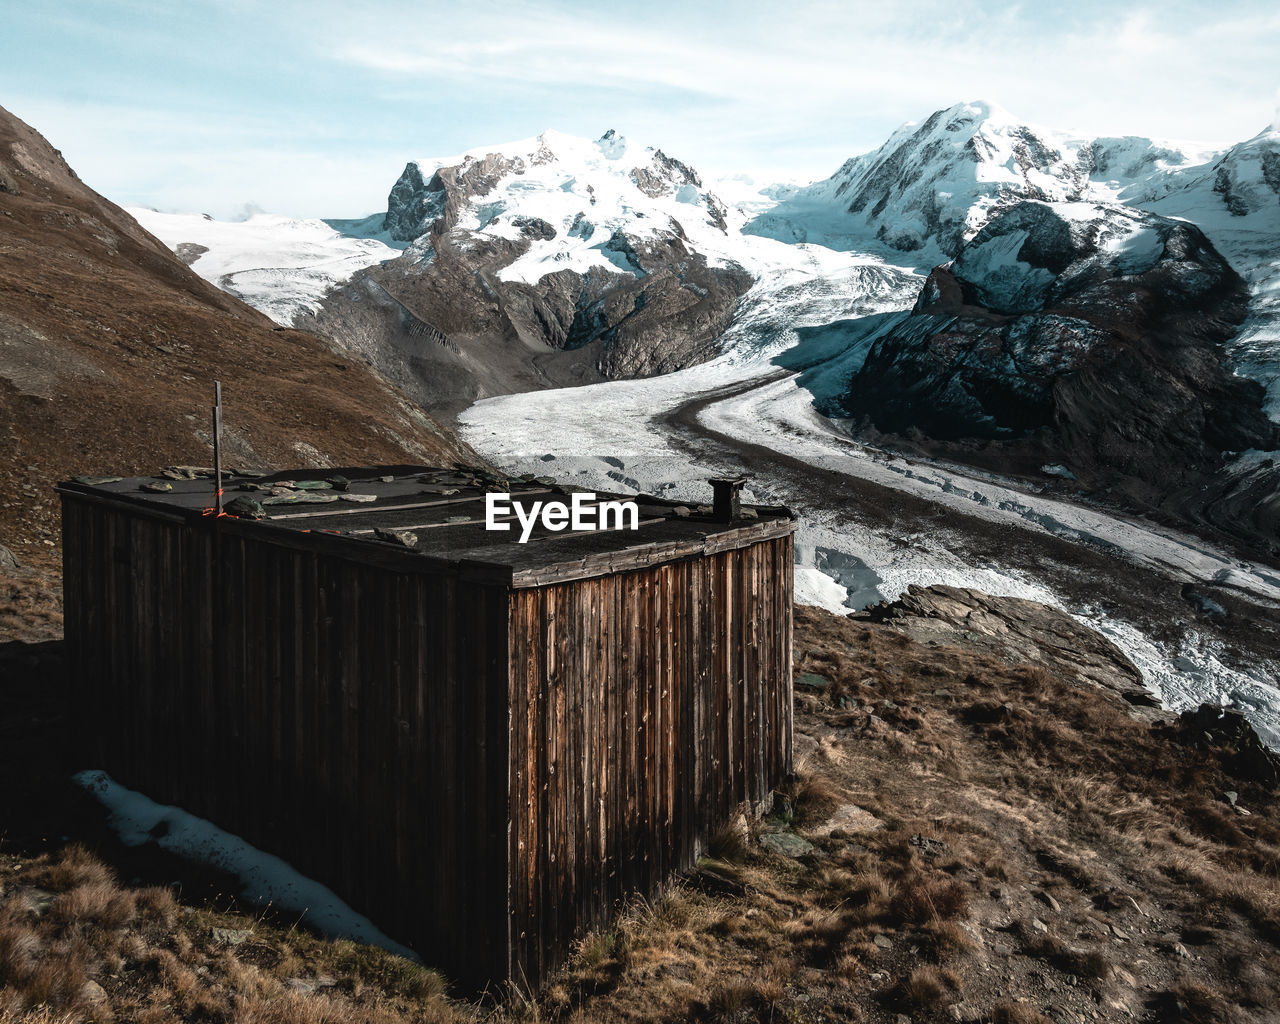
(546, 263)
(1085, 336)
(1235, 200)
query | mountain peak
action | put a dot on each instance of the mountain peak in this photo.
(978, 111)
(574, 185)
(933, 184)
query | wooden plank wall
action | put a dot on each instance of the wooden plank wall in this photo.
(356, 721)
(647, 707)
(350, 719)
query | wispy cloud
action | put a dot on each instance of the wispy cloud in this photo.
(207, 105)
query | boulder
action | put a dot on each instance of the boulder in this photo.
(1226, 730)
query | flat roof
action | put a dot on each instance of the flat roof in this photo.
(430, 518)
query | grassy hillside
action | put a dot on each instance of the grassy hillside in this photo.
(972, 837)
(109, 346)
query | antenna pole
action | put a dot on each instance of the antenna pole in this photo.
(217, 445)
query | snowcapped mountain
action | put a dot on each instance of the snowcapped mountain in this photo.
(572, 199)
(931, 186)
(1101, 330)
(549, 261)
(1235, 199)
(279, 265)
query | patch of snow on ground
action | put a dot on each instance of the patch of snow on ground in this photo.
(266, 879)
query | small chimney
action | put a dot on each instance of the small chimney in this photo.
(726, 503)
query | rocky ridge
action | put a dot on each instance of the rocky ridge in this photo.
(550, 262)
(1083, 336)
(931, 186)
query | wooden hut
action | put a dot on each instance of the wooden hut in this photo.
(482, 744)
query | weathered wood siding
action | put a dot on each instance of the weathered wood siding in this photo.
(349, 719)
(647, 707)
(485, 770)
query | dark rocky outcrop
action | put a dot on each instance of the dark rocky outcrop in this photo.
(418, 205)
(1227, 732)
(1093, 342)
(664, 175)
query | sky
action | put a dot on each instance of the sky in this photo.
(313, 108)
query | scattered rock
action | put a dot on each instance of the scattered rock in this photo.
(92, 993)
(805, 747)
(403, 538)
(309, 986)
(244, 508)
(812, 681)
(1227, 731)
(883, 941)
(1039, 925)
(781, 808)
(709, 878)
(788, 844)
(849, 819)
(1231, 796)
(1049, 901)
(1017, 630)
(929, 847)
(8, 560)
(230, 936)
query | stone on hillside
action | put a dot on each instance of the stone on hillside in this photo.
(404, 538)
(850, 819)
(788, 844)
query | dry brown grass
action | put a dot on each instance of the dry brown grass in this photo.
(1057, 807)
(813, 797)
(919, 898)
(1072, 960)
(1017, 1013)
(77, 946)
(31, 598)
(928, 989)
(39, 1015)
